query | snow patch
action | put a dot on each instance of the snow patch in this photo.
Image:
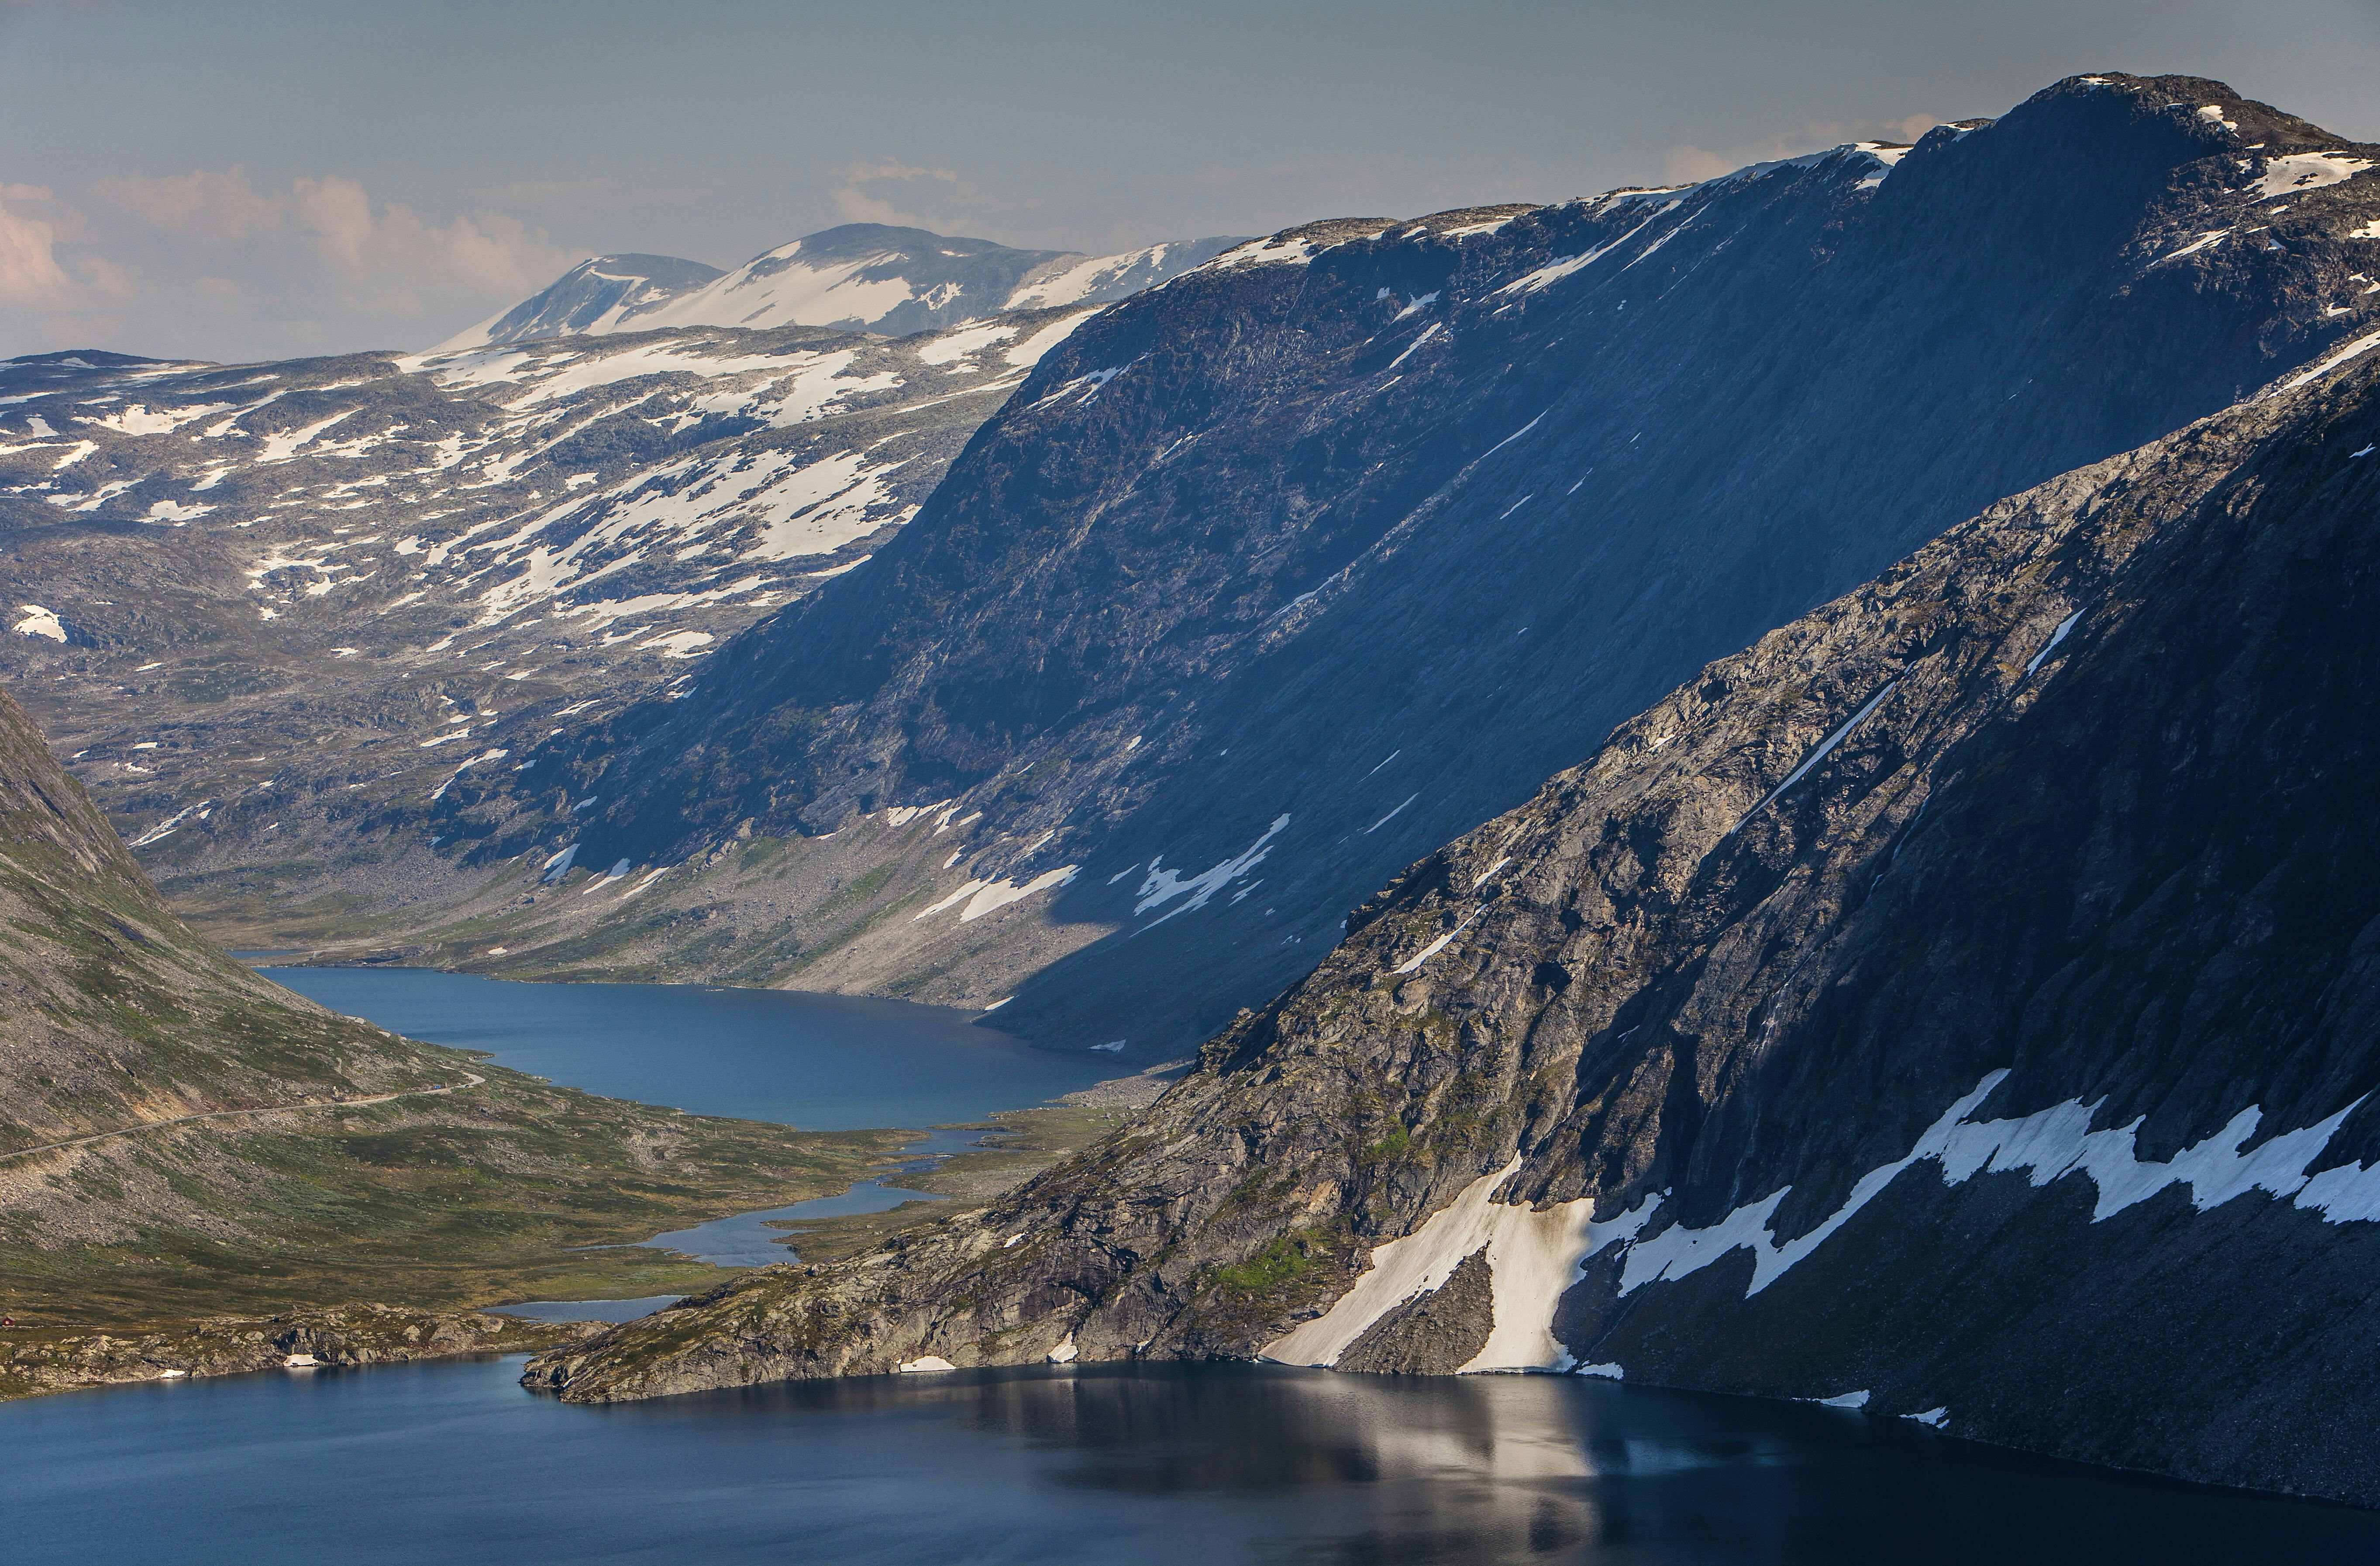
(1533, 1256)
(2362, 344)
(990, 896)
(2054, 638)
(1816, 756)
(2047, 1145)
(39, 622)
(170, 825)
(2306, 171)
(1162, 886)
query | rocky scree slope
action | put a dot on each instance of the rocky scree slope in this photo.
(178, 1135)
(861, 276)
(1961, 1004)
(1273, 577)
(269, 611)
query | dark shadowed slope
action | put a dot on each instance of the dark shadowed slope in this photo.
(1274, 576)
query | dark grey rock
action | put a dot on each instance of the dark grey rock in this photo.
(1432, 1334)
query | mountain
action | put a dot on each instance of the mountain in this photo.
(1958, 1006)
(862, 276)
(1273, 577)
(271, 609)
(180, 1136)
(594, 296)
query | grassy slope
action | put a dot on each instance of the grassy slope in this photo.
(114, 1015)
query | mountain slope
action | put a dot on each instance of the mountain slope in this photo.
(861, 276)
(178, 1135)
(1959, 1005)
(269, 609)
(1275, 576)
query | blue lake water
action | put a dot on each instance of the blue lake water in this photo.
(456, 1464)
(823, 1063)
(453, 1463)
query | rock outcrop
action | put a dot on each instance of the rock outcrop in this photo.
(335, 1338)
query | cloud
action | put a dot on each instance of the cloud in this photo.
(30, 273)
(177, 264)
(1691, 165)
(858, 205)
(893, 168)
(217, 208)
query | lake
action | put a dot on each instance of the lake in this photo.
(454, 1463)
(823, 1063)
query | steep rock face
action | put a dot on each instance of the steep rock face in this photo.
(1274, 576)
(1960, 1003)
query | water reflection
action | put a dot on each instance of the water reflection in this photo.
(1192, 1464)
(1302, 1466)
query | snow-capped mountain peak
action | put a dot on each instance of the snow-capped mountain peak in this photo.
(862, 276)
(596, 296)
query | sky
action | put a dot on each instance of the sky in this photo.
(253, 179)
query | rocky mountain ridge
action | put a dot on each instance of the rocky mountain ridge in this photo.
(1957, 1005)
(596, 296)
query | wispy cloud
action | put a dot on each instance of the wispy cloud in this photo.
(857, 203)
(176, 262)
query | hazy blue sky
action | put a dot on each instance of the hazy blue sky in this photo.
(248, 178)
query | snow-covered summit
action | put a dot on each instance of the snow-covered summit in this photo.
(861, 276)
(596, 296)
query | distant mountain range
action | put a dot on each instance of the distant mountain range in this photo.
(861, 278)
(313, 584)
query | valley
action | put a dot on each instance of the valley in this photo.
(1754, 788)
(272, 613)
